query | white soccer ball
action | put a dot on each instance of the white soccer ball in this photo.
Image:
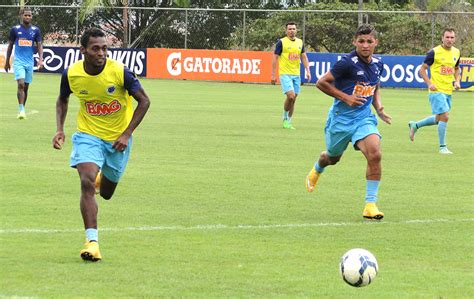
(358, 267)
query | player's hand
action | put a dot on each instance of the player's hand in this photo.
(355, 100)
(121, 143)
(7, 66)
(40, 64)
(457, 85)
(384, 116)
(58, 140)
(308, 76)
(273, 80)
(432, 87)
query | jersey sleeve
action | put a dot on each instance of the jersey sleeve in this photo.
(278, 48)
(303, 49)
(429, 59)
(340, 69)
(131, 83)
(65, 89)
(457, 62)
(12, 35)
(38, 37)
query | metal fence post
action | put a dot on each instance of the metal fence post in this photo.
(243, 32)
(186, 29)
(432, 30)
(77, 26)
(304, 27)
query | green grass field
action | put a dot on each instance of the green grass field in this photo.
(213, 202)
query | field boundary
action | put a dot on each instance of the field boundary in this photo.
(204, 227)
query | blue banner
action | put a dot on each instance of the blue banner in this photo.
(399, 71)
(56, 59)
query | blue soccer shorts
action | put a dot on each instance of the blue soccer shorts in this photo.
(289, 83)
(338, 134)
(23, 71)
(440, 102)
(90, 149)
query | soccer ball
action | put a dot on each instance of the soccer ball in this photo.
(358, 267)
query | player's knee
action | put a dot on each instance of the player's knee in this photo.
(87, 184)
(21, 85)
(374, 156)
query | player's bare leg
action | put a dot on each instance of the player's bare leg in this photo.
(289, 107)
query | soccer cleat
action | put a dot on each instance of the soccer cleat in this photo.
(21, 115)
(312, 180)
(287, 125)
(372, 212)
(97, 182)
(91, 252)
(413, 128)
(444, 150)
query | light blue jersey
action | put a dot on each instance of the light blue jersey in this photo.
(24, 40)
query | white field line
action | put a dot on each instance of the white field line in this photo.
(204, 227)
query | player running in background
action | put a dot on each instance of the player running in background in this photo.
(24, 36)
(288, 53)
(354, 82)
(443, 62)
(105, 123)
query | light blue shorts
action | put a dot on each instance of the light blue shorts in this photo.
(440, 102)
(87, 148)
(23, 71)
(338, 135)
(290, 82)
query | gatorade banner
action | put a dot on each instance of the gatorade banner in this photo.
(236, 66)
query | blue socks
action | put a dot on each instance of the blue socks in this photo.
(371, 191)
(442, 133)
(285, 115)
(21, 107)
(318, 168)
(429, 121)
(92, 234)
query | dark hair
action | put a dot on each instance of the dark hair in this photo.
(26, 8)
(448, 29)
(91, 32)
(290, 23)
(366, 29)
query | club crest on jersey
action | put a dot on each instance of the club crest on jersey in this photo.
(99, 109)
(364, 89)
(111, 89)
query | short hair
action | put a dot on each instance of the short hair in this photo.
(366, 29)
(91, 32)
(26, 8)
(448, 29)
(290, 23)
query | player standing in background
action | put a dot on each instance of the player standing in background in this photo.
(105, 123)
(288, 53)
(23, 36)
(443, 62)
(354, 82)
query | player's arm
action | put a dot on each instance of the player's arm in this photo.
(40, 54)
(457, 76)
(61, 111)
(326, 85)
(429, 60)
(11, 41)
(276, 54)
(134, 88)
(377, 103)
(304, 59)
(39, 46)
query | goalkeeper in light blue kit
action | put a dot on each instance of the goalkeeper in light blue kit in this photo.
(24, 36)
(354, 82)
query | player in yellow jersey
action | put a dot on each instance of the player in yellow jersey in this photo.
(105, 123)
(288, 53)
(443, 62)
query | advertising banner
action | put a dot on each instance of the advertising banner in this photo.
(236, 66)
(56, 59)
(399, 71)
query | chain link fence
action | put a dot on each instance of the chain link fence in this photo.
(400, 32)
